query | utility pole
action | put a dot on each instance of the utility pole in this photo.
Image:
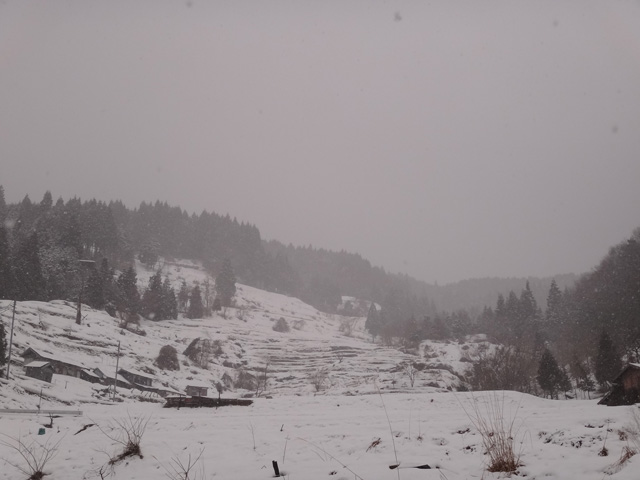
(82, 263)
(13, 319)
(115, 377)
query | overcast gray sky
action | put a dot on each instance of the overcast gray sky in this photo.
(447, 140)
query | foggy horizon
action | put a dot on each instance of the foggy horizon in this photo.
(446, 141)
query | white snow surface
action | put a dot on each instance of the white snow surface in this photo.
(366, 417)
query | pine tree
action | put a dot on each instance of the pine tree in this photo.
(29, 282)
(149, 254)
(183, 297)
(128, 295)
(509, 318)
(217, 304)
(373, 324)
(528, 305)
(460, 324)
(47, 201)
(608, 363)
(169, 301)
(554, 303)
(549, 374)
(3, 206)
(582, 375)
(196, 308)
(152, 299)
(3, 344)
(226, 283)
(441, 328)
(94, 290)
(6, 273)
(109, 287)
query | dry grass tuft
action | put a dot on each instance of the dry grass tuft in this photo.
(498, 432)
(632, 435)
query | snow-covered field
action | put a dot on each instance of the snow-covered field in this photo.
(340, 431)
(332, 436)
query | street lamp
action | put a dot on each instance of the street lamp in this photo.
(83, 264)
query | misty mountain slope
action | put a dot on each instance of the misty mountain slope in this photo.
(313, 353)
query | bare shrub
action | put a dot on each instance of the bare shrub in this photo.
(281, 325)
(347, 325)
(626, 454)
(319, 378)
(200, 351)
(35, 455)
(245, 380)
(241, 313)
(188, 469)
(506, 368)
(497, 430)
(633, 429)
(168, 358)
(631, 434)
(127, 433)
(262, 380)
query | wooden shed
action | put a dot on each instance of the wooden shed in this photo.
(40, 370)
(59, 366)
(89, 376)
(625, 389)
(197, 390)
(140, 380)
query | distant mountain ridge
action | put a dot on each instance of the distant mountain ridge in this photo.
(479, 292)
(76, 229)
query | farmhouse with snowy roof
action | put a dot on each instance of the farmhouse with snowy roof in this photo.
(59, 366)
(625, 389)
(139, 380)
(40, 370)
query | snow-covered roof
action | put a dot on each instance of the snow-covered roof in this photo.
(36, 364)
(120, 378)
(170, 391)
(198, 384)
(55, 358)
(136, 372)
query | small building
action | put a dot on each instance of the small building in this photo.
(625, 389)
(197, 390)
(100, 374)
(139, 380)
(40, 370)
(89, 376)
(60, 367)
(168, 391)
(120, 382)
(105, 379)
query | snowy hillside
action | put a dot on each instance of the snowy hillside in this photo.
(315, 356)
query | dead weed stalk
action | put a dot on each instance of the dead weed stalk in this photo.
(498, 431)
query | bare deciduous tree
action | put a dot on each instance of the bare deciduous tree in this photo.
(411, 372)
